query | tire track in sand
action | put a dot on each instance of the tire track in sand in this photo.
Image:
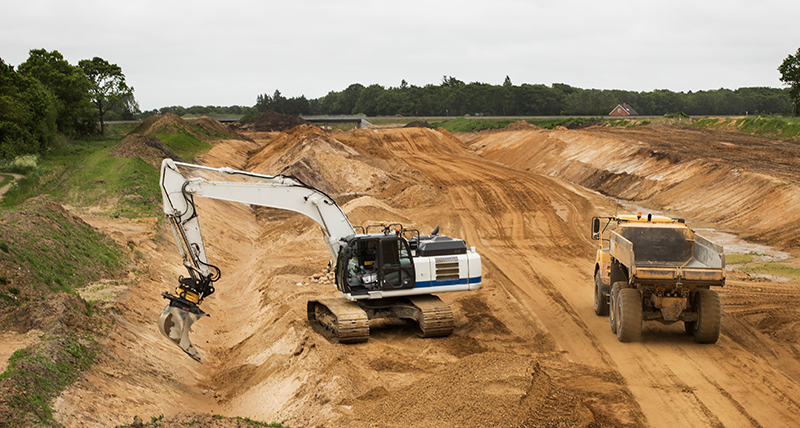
(683, 385)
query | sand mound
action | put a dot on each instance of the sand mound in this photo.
(203, 128)
(145, 147)
(386, 145)
(521, 125)
(367, 210)
(481, 390)
(214, 128)
(271, 121)
(319, 160)
(168, 123)
(417, 124)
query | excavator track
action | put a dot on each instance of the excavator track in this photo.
(434, 316)
(342, 319)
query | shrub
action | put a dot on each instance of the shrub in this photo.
(21, 164)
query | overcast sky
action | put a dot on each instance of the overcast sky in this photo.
(227, 52)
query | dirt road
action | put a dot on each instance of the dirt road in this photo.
(527, 350)
(6, 184)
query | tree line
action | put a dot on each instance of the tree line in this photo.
(453, 97)
(46, 96)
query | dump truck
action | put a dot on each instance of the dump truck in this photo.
(656, 268)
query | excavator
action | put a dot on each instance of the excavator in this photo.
(381, 271)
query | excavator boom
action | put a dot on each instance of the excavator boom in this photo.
(378, 274)
(178, 197)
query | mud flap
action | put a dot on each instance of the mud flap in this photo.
(175, 323)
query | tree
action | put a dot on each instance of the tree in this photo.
(790, 75)
(451, 82)
(27, 114)
(367, 102)
(67, 82)
(349, 98)
(108, 87)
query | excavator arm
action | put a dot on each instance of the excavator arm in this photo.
(178, 195)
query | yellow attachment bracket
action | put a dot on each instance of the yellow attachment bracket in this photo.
(189, 295)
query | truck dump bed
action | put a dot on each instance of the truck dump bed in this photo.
(664, 253)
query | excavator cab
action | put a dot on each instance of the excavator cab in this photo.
(375, 262)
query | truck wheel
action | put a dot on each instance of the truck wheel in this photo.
(614, 306)
(600, 300)
(709, 312)
(629, 328)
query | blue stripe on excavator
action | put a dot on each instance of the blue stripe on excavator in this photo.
(460, 281)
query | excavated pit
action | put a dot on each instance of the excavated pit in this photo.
(527, 349)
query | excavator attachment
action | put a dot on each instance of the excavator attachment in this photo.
(175, 323)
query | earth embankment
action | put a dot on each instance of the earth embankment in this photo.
(740, 183)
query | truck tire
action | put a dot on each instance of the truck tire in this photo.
(600, 300)
(614, 305)
(629, 328)
(709, 313)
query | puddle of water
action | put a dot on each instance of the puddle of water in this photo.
(730, 242)
(734, 245)
(772, 278)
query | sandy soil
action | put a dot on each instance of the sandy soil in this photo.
(527, 349)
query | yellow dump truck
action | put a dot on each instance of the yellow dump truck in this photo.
(656, 268)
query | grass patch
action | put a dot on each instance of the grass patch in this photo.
(209, 133)
(38, 374)
(6, 179)
(773, 269)
(251, 423)
(128, 187)
(185, 145)
(732, 259)
(82, 174)
(50, 254)
(764, 126)
(250, 117)
(49, 251)
(56, 166)
(464, 124)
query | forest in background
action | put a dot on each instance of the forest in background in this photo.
(453, 97)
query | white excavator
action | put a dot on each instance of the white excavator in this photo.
(391, 272)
